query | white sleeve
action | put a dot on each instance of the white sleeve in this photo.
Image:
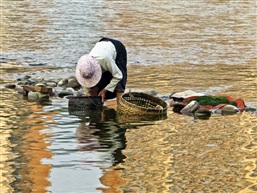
(110, 65)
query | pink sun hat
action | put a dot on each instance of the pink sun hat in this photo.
(88, 71)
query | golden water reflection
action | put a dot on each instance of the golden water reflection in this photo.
(7, 117)
(182, 155)
(35, 143)
(22, 145)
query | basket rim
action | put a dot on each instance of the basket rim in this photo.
(141, 94)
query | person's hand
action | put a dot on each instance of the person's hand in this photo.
(102, 93)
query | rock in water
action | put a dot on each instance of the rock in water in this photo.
(202, 114)
(190, 108)
(33, 96)
(229, 110)
(73, 83)
(11, 86)
(37, 96)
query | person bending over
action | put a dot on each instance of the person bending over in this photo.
(103, 72)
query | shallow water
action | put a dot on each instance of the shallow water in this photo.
(173, 46)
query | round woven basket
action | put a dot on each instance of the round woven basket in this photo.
(141, 104)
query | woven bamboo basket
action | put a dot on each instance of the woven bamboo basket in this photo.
(141, 104)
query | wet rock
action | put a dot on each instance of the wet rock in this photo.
(22, 82)
(202, 114)
(40, 85)
(51, 84)
(190, 108)
(11, 86)
(43, 96)
(251, 110)
(80, 92)
(229, 110)
(31, 81)
(39, 79)
(63, 82)
(35, 96)
(64, 93)
(57, 90)
(177, 107)
(27, 77)
(69, 89)
(31, 86)
(73, 83)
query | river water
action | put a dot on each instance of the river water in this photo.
(205, 46)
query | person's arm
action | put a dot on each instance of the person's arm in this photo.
(118, 96)
(102, 93)
(109, 65)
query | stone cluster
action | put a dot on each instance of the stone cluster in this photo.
(38, 88)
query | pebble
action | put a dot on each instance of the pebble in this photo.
(64, 93)
(11, 86)
(73, 83)
(63, 82)
(39, 79)
(35, 96)
(202, 113)
(40, 84)
(51, 84)
(251, 110)
(229, 110)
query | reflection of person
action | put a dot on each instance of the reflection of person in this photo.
(105, 135)
(103, 71)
